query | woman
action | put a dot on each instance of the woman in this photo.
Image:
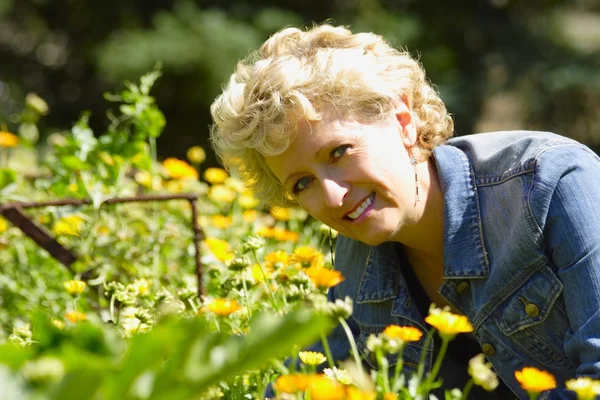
(501, 227)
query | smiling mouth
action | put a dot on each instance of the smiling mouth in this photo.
(361, 208)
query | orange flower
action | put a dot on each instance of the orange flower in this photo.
(75, 316)
(179, 169)
(224, 307)
(447, 323)
(307, 257)
(404, 333)
(324, 278)
(285, 235)
(8, 139)
(221, 221)
(292, 383)
(354, 393)
(390, 396)
(276, 259)
(533, 380)
(323, 388)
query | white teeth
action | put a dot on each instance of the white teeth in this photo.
(361, 208)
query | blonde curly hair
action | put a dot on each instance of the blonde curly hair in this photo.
(294, 75)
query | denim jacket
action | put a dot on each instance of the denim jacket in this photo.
(521, 259)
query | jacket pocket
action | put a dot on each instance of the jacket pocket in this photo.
(534, 319)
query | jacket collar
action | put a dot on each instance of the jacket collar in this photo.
(464, 250)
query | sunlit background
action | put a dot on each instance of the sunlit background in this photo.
(499, 64)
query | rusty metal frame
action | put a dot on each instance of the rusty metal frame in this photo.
(14, 213)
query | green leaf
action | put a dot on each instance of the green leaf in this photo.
(7, 177)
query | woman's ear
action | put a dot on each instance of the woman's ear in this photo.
(404, 116)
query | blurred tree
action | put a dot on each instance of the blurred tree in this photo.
(499, 64)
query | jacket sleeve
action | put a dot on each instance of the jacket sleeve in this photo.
(338, 344)
(572, 238)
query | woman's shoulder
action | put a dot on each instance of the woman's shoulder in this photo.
(501, 154)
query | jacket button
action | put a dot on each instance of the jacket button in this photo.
(463, 287)
(488, 349)
(532, 310)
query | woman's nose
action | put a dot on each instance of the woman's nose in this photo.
(333, 193)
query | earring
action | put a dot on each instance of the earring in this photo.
(413, 161)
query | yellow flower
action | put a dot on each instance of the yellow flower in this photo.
(196, 155)
(75, 287)
(312, 358)
(3, 225)
(221, 194)
(75, 316)
(179, 169)
(447, 323)
(8, 139)
(144, 178)
(221, 221)
(248, 201)
(585, 387)
(69, 225)
(236, 184)
(324, 278)
(224, 307)
(292, 383)
(533, 380)
(323, 388)
(215, 175)
(219, 248)
(404, 333)
(280, 213)
(307, 256)
(390, 396)
(266, 231)
(249, 215)
(257, 274)
(276, 260)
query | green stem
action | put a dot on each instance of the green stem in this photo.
(352, 345)
(398, 370)
(246, 298)
(467, 389)
(421, 367)
(437, 365)
(532, 395)
(265, 283)
(327, 351)
(384, 368)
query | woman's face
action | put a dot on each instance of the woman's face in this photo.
(354, 177)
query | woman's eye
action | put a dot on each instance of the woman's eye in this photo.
(302, 184)
(339, 151)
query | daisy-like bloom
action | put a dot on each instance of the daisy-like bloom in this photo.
(324, 278)
(219, 248)
(482, 373)
(8, 139)
(141, 286)
(179, 169)
(276, 260)
(284, 235)
(75, 316)
(280, 213)
(69, 225)
(292, 383)
(266, 231)
(404, 333)
(390, 396)
(215, 175)
(196, 155)
(533, 380)
(221, 194)
(221, 221)
(447, 323)
(75, 287)
(224, 307)
(312, 358)
(585, 387)
(340, 375)
(307, 256)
